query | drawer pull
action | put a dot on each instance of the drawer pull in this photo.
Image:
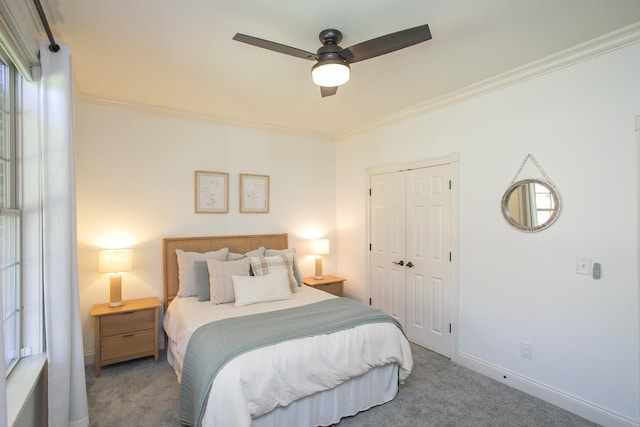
(127, 335)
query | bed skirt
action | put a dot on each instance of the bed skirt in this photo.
(378, 386)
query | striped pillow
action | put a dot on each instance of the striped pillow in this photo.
(265, 265)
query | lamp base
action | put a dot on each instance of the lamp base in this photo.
(318, 275)
(115, 291)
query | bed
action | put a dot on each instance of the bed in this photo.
(303, 380)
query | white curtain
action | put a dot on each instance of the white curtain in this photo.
(63, 330)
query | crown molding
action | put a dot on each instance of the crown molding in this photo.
(584, 51)
(192, 115)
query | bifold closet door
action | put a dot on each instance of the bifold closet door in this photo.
(410, 252)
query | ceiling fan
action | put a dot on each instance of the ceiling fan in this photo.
(332, 67)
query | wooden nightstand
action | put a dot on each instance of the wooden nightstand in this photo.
(331, 284)
(126, 332)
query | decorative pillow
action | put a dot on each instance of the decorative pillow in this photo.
(255, 289)
(202, 280)
(296, 268)
(220, 282)
(261, 266)
(232, 256)
(187, 271)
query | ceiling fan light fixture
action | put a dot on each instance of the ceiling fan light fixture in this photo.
(330, 73)
(332, 61)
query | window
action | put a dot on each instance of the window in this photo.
(545, 205)
(10, 219)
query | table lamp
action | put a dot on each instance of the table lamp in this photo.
(319, 247)
(114, 262)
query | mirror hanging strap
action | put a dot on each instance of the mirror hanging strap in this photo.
(537, 165)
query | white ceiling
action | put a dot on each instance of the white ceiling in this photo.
(179, 57)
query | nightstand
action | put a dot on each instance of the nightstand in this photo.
(331, 284)
(126, 332)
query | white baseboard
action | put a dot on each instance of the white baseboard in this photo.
(89, 358)
(564, 400)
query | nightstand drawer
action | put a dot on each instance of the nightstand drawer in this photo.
(123, 323)
(332, 288)
(127, 346)
(330, 284)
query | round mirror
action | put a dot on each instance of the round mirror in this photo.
(531, 205)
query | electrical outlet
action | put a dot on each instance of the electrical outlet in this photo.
(583, 266)
(526, 350)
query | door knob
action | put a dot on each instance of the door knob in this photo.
(410, 264)
(400, 263)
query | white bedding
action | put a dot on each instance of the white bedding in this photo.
(257, 382)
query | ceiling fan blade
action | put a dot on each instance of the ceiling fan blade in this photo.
(386, 44)
(328, 91)
(276, 47)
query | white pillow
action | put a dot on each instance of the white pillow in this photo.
(187, 270)
(255, 289)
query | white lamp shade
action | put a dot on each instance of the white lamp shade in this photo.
(319, 247)
(115, 260)
(330, 74)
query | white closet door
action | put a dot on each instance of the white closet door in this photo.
(427, 262)
(388, 244)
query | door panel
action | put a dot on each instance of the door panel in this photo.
(436, 303)
(388, 244)
(437, 295)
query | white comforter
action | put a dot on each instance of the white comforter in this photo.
(255, 383)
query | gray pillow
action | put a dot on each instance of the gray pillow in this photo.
(202, 280)
(186, 271)
(220, 281)
(296, 269)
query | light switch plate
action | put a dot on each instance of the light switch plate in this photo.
(583, 266)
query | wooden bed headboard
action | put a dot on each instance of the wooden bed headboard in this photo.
(238, 244)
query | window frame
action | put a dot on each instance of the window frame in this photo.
(10, 208)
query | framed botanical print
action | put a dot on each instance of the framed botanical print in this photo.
(254, 193)
(211, 192)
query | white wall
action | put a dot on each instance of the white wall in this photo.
(135, 184)
(135, 181)
(513, 286)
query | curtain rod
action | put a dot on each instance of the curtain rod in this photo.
(53, 46)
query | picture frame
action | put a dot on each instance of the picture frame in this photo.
(254, 193)
(211, 192)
